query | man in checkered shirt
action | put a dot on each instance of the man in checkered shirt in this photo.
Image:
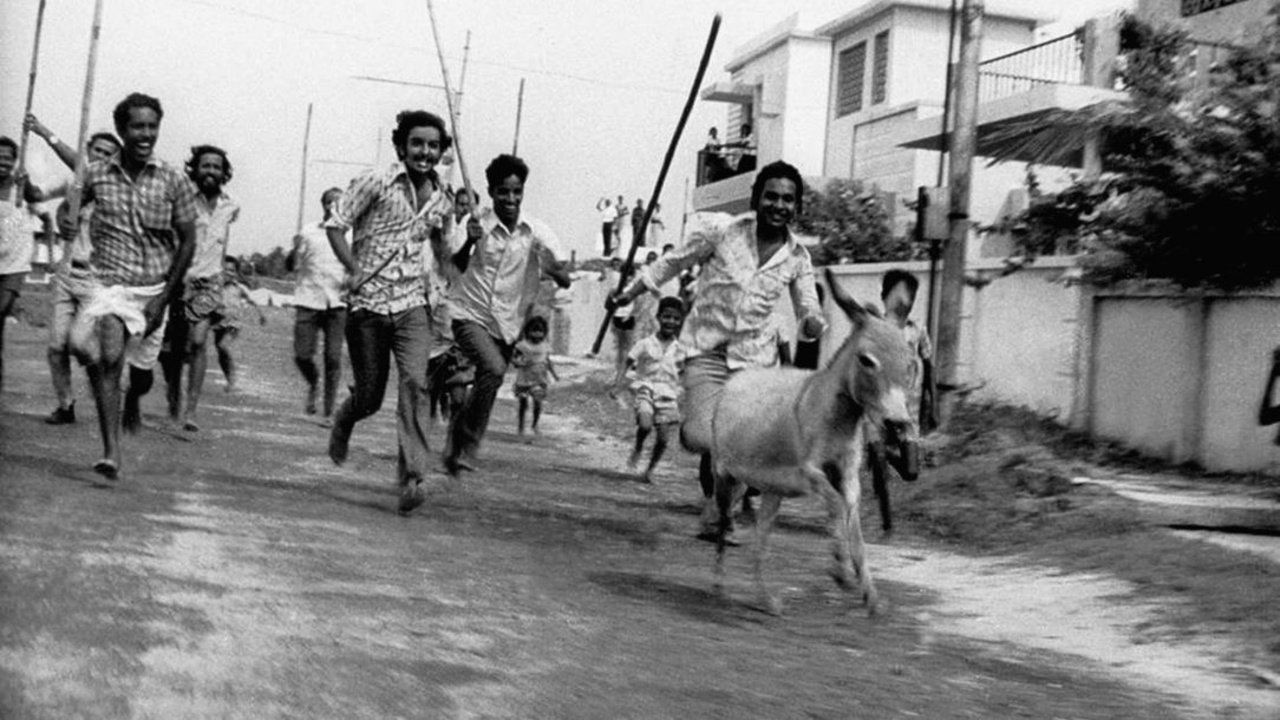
(399, 217)
(143, 234)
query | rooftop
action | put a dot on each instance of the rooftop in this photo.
(1043, 12)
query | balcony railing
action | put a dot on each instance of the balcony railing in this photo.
(1059, 61)
(728, 161)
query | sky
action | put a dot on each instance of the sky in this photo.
(605, 81)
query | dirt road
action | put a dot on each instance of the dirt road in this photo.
(236, 573)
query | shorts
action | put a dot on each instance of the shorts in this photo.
(537, 391)
(659, 410)
(201, 300)
(127, 303)
(71, 292)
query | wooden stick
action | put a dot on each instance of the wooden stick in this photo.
(302, 189)
(86, 105)
(462, 76)
(20, 187)
(448, 96)
(515, 143)
(662, 176)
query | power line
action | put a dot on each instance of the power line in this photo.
(370, 40)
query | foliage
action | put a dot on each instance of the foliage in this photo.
(1189, 190)
(271, 265)
(854, 224)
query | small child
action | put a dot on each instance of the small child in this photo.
(655, 364)
(898, 291)
(532, 361)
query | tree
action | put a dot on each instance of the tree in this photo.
(854, 224)
(1189, 192)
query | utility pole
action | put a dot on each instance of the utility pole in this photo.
(963, 145)
(302, 184)
(515, 143)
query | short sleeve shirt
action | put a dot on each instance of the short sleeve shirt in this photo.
(658, 366)
(213, 230)
(133, 220)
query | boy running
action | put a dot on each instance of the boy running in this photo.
(655, 364)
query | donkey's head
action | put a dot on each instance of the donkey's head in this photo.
(874, 362)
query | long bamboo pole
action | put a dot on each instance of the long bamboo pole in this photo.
(515, 142)
(19, 187)
(448, 95)
(86, 105)
(462, 75)
(662, 175)
(302, 184)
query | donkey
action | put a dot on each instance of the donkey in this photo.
(790, 433)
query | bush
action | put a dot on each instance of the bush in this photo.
(854, 224)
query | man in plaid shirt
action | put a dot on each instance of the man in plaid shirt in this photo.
(143, 234)
(395, 215)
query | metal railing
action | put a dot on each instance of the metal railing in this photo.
(1059, 61)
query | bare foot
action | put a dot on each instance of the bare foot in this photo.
(190, 425)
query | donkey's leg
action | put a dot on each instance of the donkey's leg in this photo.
(827, 483)
(769, 504)
(726, 492)
(851, 491)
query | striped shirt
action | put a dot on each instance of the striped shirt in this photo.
(133, 221)
(389, 236)
(736, 297)
(502, 278)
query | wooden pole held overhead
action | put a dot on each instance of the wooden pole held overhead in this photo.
(449, 99)
(302, 184)
(19, 188)
(86, 105)
(515, 143)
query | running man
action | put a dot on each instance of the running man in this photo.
(72, 277)
(393, 215)
(143, 235)
(746, 262)
(320, 307)
(502, 262)
(202, 305)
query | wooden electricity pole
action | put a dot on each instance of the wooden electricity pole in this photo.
(302, 185)
(963, 146)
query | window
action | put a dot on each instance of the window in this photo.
(850, 74)
(880, 69)
(1195, 7)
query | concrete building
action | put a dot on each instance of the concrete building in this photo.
(832, 98)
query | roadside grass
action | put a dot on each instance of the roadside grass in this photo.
(1001, 486)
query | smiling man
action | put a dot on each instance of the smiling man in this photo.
(746, 263)
(502, 263)
(143, 235)
(202, 305)
(392, 214)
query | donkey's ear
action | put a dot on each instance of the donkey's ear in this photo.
(851, 307)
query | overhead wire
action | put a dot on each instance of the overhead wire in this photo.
(370, 40)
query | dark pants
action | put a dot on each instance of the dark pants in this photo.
(307, 326)
(372, 339)
(490, 356)
(606, 231)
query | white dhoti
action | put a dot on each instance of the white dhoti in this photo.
(128, 303)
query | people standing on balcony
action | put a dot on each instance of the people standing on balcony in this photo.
(714, 166)
(607, 217)
(747, 262)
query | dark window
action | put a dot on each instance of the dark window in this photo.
(1195, 7)
(880, 69)
(851, 72)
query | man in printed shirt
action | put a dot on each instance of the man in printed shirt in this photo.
(746, 264)
(73, 281)
(393, 215)
(320, 307)
(202, 304)
(143, 235)
(501, 263)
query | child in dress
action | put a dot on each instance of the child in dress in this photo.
(532, 361)
(655, 363)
